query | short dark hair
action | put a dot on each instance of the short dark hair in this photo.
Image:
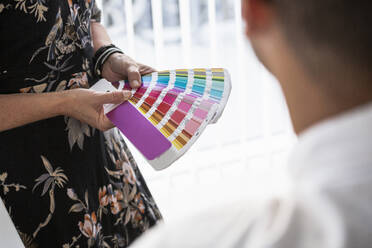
(321, 29)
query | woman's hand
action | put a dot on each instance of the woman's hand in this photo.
(87, 106)
(120, 66)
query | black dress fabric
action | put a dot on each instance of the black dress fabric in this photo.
(63, 183)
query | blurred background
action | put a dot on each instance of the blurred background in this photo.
(245, 152)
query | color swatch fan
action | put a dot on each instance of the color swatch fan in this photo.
(170, 110)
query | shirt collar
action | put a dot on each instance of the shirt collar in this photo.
(340, 143)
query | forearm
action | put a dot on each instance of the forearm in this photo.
(20, 109)
(99, 35)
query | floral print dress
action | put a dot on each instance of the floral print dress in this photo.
(63, 183)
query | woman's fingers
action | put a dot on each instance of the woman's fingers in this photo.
(134, 76)
(115, 97)
(121, 66)
(87, 106)
(145, 69)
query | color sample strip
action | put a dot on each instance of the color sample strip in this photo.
(164, 107)
(138, 95)
(217, 89)
(191, 125)
(202, 87)
(182, 79)
(144, 136)
(175, 115)
(218, 84)
(164, 101)
(205, 83)
(199, 86)
(181, 82)
(175, 118)
(152, 97)
(191, 128)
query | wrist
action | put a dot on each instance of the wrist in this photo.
(101, 56)
(110, 62)
(64, 101)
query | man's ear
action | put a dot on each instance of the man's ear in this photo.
(257, 15)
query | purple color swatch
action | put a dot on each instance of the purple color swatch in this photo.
(140, 131)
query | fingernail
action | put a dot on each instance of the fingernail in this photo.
(136, 83)
(127, 94)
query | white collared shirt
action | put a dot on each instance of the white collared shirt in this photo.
(329, 204)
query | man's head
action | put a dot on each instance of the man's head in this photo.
(324, 43)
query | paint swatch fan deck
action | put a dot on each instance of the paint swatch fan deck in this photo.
(167, 114)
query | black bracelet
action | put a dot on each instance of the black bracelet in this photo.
(101, 56)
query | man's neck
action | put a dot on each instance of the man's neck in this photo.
(310, 102)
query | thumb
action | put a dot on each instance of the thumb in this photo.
(115, 97)
(134, 76)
